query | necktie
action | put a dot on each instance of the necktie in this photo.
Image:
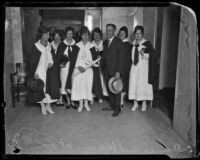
(109, 43)
(136, 57)
(69, 50)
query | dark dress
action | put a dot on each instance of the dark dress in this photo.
(71, 58)
(153, 58)
(33, 60)
(97, 86)
(127, 64)
(53, 77)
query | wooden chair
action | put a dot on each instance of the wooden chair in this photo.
(19, 82)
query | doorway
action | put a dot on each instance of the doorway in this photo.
(167, 39)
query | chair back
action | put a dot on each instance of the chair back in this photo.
(22, 72)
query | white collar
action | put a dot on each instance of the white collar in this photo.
(38, 43)
(98, 46)
(111, 39)
(125, 40)
(42, 48)
(73, 42)
(54, 44)
(142, 41)
(88, 44)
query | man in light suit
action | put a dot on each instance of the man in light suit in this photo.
(112, 64)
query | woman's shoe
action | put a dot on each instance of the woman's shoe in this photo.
(43, 109)
(80, 108)
(92, 101)
(59, 103)
(100, 100)
(144, 106)
(49, 109)
(73, 106)
(134, 107)
(87, 108)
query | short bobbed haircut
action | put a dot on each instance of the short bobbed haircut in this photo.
(41, 30)
(138, 27)
(125, 29)
(96, 30)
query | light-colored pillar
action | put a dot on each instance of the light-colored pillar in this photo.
(16, 34)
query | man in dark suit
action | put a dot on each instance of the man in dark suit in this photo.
(112, 63)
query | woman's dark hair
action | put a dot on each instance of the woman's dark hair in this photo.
(41, 30)
(110, 24)
(69, 28)
(59, 32)
(125, 29)
(96, 30)
(84, 30)
(139, 28)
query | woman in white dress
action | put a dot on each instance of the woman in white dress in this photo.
(40, 60)
(142, 72)
(82, 83)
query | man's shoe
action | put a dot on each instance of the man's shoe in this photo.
(116, 113)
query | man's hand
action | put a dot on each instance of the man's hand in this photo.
(81, 69)
(36, 76)
(50, 65)
(117, 75)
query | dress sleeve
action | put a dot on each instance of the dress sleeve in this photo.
(40, 67)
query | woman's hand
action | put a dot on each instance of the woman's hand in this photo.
(88, 62)
(142, 52)
(81, 69)
(36, 76)
(50, 65)
(95, 65)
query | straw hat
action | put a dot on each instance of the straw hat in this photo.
(115, 85)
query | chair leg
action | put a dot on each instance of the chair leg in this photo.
(18, 94)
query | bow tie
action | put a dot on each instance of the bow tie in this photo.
(137, 45)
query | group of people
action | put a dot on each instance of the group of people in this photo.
(77, 71)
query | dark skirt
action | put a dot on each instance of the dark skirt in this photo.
(97, 86)
(53, 82)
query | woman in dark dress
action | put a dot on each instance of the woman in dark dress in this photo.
(67, 53)
(123, 35)
(97, 88)
(40, 60)
(53, 73)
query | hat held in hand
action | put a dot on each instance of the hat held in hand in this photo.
(35, 84)
(115, 85)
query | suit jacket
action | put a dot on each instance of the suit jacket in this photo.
(113, 57)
